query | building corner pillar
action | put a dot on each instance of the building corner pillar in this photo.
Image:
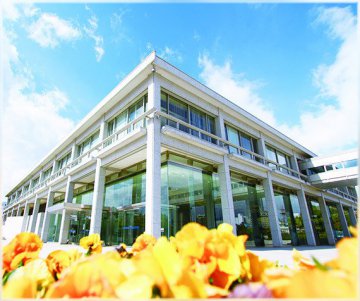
(153, 161)
(326, 218)
(309, 231)
(271, 205)
(35, 214)
(98, 198)
(25, 217)
(227, 202)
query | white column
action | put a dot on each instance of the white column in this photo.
(45, 226)
(153, 163)
(310, 237)
(227, 203)
(326, 219)
(271, 206)
(25, 216)
(98, 198)
(35, 214)
(261, 146)
(65, 218)
(18, 211)
(73, 151)
(352, 216)
(54, 166)
(102, 132)
(343, 222)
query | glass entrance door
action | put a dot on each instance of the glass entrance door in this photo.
(79, 225)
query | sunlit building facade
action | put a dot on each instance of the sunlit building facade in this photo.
(162, 150)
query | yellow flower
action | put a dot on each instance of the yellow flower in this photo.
(92, 243)
(142, 242)
(25, 288)
(301, 262)
(321, 284)
(24, 247)
(277, 280)
(34, 273)
(94, 276)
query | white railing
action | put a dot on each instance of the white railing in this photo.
(200, 133)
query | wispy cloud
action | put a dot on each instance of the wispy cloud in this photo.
(49, 30)
(170, 54)
(91, 30)
(324, 128)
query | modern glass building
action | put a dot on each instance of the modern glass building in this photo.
(162, 150)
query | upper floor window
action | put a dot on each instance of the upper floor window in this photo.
(63, 161)
(278, 157)
(241, 139)
(127, 116)
(88, 143)
(35, 181)
(26, 188)
(47, 173)
(189, 114)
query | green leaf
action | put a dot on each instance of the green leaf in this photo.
(319, 265)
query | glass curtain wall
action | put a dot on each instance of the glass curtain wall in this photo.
(347, 216)
(189, 114)
(290, 219)
(84, 198)
(317, 222)
(335, 221)
(189, 193)
(123, 217)
(54, 227)
(79, 225)
(251, 214)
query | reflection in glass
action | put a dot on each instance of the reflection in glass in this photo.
(335, 221)
(317, 222)
(188, 194)
(251, 214)
(54, 227)
(290, 220)
(79, 225)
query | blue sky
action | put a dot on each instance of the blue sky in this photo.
(288, 64)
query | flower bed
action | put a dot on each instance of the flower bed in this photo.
(196, 263)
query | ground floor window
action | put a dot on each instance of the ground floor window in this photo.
(251, 214)
(289, 217)
(54, 227)
(347, 216)
(189, 193)
(317, 222)
(79, 225)
(335, 221)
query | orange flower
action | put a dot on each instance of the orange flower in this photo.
(94, 276)
(258, 266)
(26, 288)
(277, 280)
(142, 242)
(92, 244)
(24, 247)
(301, 262)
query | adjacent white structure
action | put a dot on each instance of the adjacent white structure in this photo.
(161, 150)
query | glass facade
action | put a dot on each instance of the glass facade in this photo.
(347, 216)
(123, 216)
(335, 221)
(278, 157)
(79, 225)
(290, 219)
(63, 162)
(189, 193)
(88, 143)
(84, 198)
(317, 222)
(189, 114)
(54, 227)
(251, 214)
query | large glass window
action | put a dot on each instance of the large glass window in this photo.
(251, 214)
(46, 174)
(317, 222)
(84, 198)
(79, 225)
(188, 194)
(54, 227)
(290, 219)
(241, 139)
(335, 221)
(188, 114)
(123, 216)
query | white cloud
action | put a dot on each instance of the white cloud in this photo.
(49, 30)
(32, 122)
(234, 87)
(324, 128)
(168, 53)
(99, 41)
